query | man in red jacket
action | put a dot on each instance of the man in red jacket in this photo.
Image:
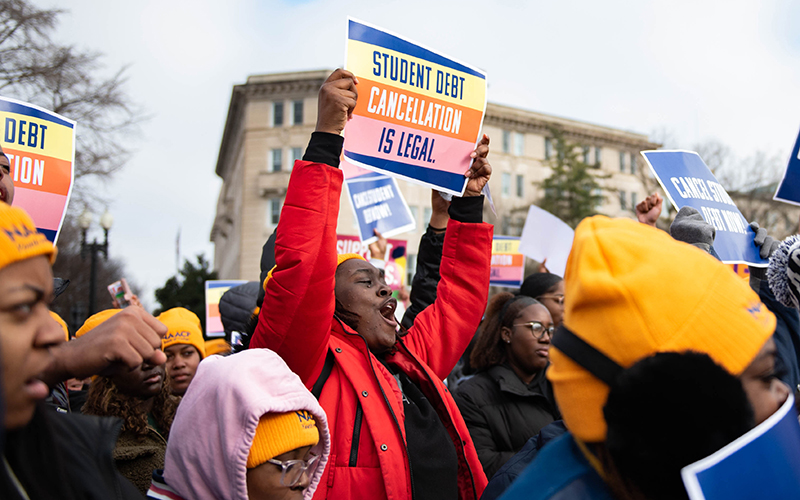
(396, 432)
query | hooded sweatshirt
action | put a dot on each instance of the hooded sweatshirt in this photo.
(214, 427)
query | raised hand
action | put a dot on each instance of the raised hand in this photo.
(480, 171)
(337, 100)
(649, 210)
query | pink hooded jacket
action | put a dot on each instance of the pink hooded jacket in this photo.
(214, 427)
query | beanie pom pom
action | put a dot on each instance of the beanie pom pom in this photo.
(783, 280)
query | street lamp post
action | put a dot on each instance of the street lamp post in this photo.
(93, 248)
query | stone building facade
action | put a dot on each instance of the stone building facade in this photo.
(271, 117)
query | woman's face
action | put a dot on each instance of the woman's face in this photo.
(553, 300)
(525, 352)
(27, 331)
(182, 361)
(264, 481)
(143, 382)
(764, 389)
(362, 290)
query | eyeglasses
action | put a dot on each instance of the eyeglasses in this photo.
(558, 298)
(292, 470)
(537, 329)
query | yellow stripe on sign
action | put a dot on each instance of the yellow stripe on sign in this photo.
(505, 246)
(213, 295)
(416, 75)
(27, 134)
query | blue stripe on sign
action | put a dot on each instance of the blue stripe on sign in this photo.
(20, 109)
(48, 233)
(453, 182)
(372, 36)
(506, 283)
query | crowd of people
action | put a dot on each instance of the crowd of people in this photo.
(648, 355)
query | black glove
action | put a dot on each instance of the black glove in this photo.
(766, 243)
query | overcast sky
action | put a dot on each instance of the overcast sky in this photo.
(728, 71)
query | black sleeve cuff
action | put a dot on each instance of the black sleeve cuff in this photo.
(468, 209)
(324, 148)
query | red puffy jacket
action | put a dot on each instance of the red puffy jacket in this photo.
(360, 396)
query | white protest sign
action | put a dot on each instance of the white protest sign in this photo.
(546, 236)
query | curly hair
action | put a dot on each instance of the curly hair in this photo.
(489, 348)
(105, 399)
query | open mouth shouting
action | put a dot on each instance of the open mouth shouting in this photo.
(387, 311)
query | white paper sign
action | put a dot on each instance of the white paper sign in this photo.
(546, 236)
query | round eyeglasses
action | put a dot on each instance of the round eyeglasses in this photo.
(537, 329)
(292, 470)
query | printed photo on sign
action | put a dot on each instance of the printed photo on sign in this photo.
(419, 113)
(40, 146)
(688, 182)
(789, 187)
(508, 265)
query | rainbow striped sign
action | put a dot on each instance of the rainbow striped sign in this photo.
(508, 264)
(419, 113)
(214, 291)
(40, 146)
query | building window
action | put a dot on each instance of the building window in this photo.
(297, 112)
(633, 163)
(297, 154)
(505, 226)
(506, 142)
(426, 214)
(506, 184)
(586, 151)
(598, 192)
(598, 156)
(277, 114)
(520, 186)
(623, 201)
(273, 211)
(411, 268)
(622, 162)
(548, 148)
(276, 165)
(415, 214)
(519, 144)
(634, 201)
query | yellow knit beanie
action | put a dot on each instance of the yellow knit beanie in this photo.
(278, 433)
(183, 327)
(19, 239)
(61, 323)
(347, 256)
(95, 320)
(634, 291)
(217, 346)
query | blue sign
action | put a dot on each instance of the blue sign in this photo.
(789, 188)
(689, 183)
(764, 463)
(379, 204)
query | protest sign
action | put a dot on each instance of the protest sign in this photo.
(764, 463)
(689, 183)
(508, 265)
(419, 112)
(789, 187)
(214, 291)
(545, 236)
(40, 146)
(395, 258)
(377, 203)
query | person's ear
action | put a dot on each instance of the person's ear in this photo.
(505, 334)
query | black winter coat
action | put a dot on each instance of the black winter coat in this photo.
(75, 449)
(502, 413)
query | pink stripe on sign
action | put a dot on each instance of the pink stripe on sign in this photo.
(44, 208)
(506, 273)
(214, 325)
(363, 136)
